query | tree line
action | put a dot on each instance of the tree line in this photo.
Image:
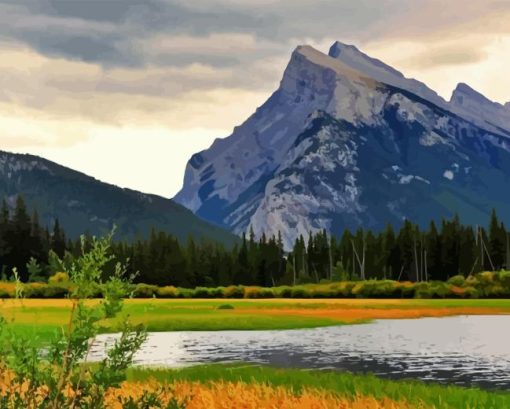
(409, 253)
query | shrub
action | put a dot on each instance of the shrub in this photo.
(456, 291)
(57, 379)
(258, 292)
(486, 277)
(60, 277)
(324, 293)
(46, 291)
(376, 289)
(145, 291)
(345, 289)
(496, 291)
(471, 292)
(233, 292)
(4, 294)
(433, 289)
(167, 292)
(225, 307)
(504, 278)
(405, 289)
(283, 292)
(472, 281)
(206, 292)
(300, 292)
(457, 280)
(185, 293)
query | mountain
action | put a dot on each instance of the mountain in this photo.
(84, 204)
(473, 103)
(348, 141)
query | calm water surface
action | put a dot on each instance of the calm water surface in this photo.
(463, 350)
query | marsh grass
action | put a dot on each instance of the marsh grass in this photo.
(343, 384)
(42, 318)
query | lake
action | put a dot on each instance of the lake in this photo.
(461, 350)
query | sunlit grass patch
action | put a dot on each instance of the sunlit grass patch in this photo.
(45, 316)
(343, 384)
(234, 395)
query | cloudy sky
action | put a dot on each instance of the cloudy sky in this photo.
(128, 90)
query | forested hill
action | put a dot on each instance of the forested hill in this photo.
(84, 204)
(411, 253)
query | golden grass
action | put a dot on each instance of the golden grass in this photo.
(196, 395)
(52, 311)
(350, 315)
(238, 395)
(223, 395)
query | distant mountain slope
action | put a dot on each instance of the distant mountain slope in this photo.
(348, 141)
(84, 204)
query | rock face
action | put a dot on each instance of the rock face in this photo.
(347, 141)
(471, 103)
(84, 204)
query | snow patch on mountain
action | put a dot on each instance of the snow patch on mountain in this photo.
(448, 174)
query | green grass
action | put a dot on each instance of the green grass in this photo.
(341, 383)
(217, 321)
(39, 319)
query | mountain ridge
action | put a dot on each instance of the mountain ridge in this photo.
(281, 170)
(84, 204)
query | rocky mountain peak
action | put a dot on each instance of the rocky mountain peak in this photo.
(345, 141)
(463, 94)
(469, 102)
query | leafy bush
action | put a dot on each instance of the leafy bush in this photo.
(375, 289)
(324, 293)
(185, 293)
(58, 378)
(205, 292)
(46, 291)
(471, 292)
(504, 278)
(167, 292)
(225, 307)
(233, 292)
(258, 292)
(434, 289)
(300, 292)
(59, 277)
(283, 292)
(457, 280)
(481, 285)
(145, 291)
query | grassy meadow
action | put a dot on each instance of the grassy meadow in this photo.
(250, 386)
(40, 318)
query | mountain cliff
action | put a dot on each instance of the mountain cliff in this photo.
(348, 141)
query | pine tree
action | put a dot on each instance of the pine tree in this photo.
(242, 274)
(433, 248)
(58, 239)
(497, 242)
(405, 241)
(467, 251)
(20, 245)
(389, 258)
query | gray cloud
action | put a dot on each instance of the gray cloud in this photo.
(114, 32)
(107, 31)
(146, 48)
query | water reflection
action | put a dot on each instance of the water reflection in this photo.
(464, 350)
